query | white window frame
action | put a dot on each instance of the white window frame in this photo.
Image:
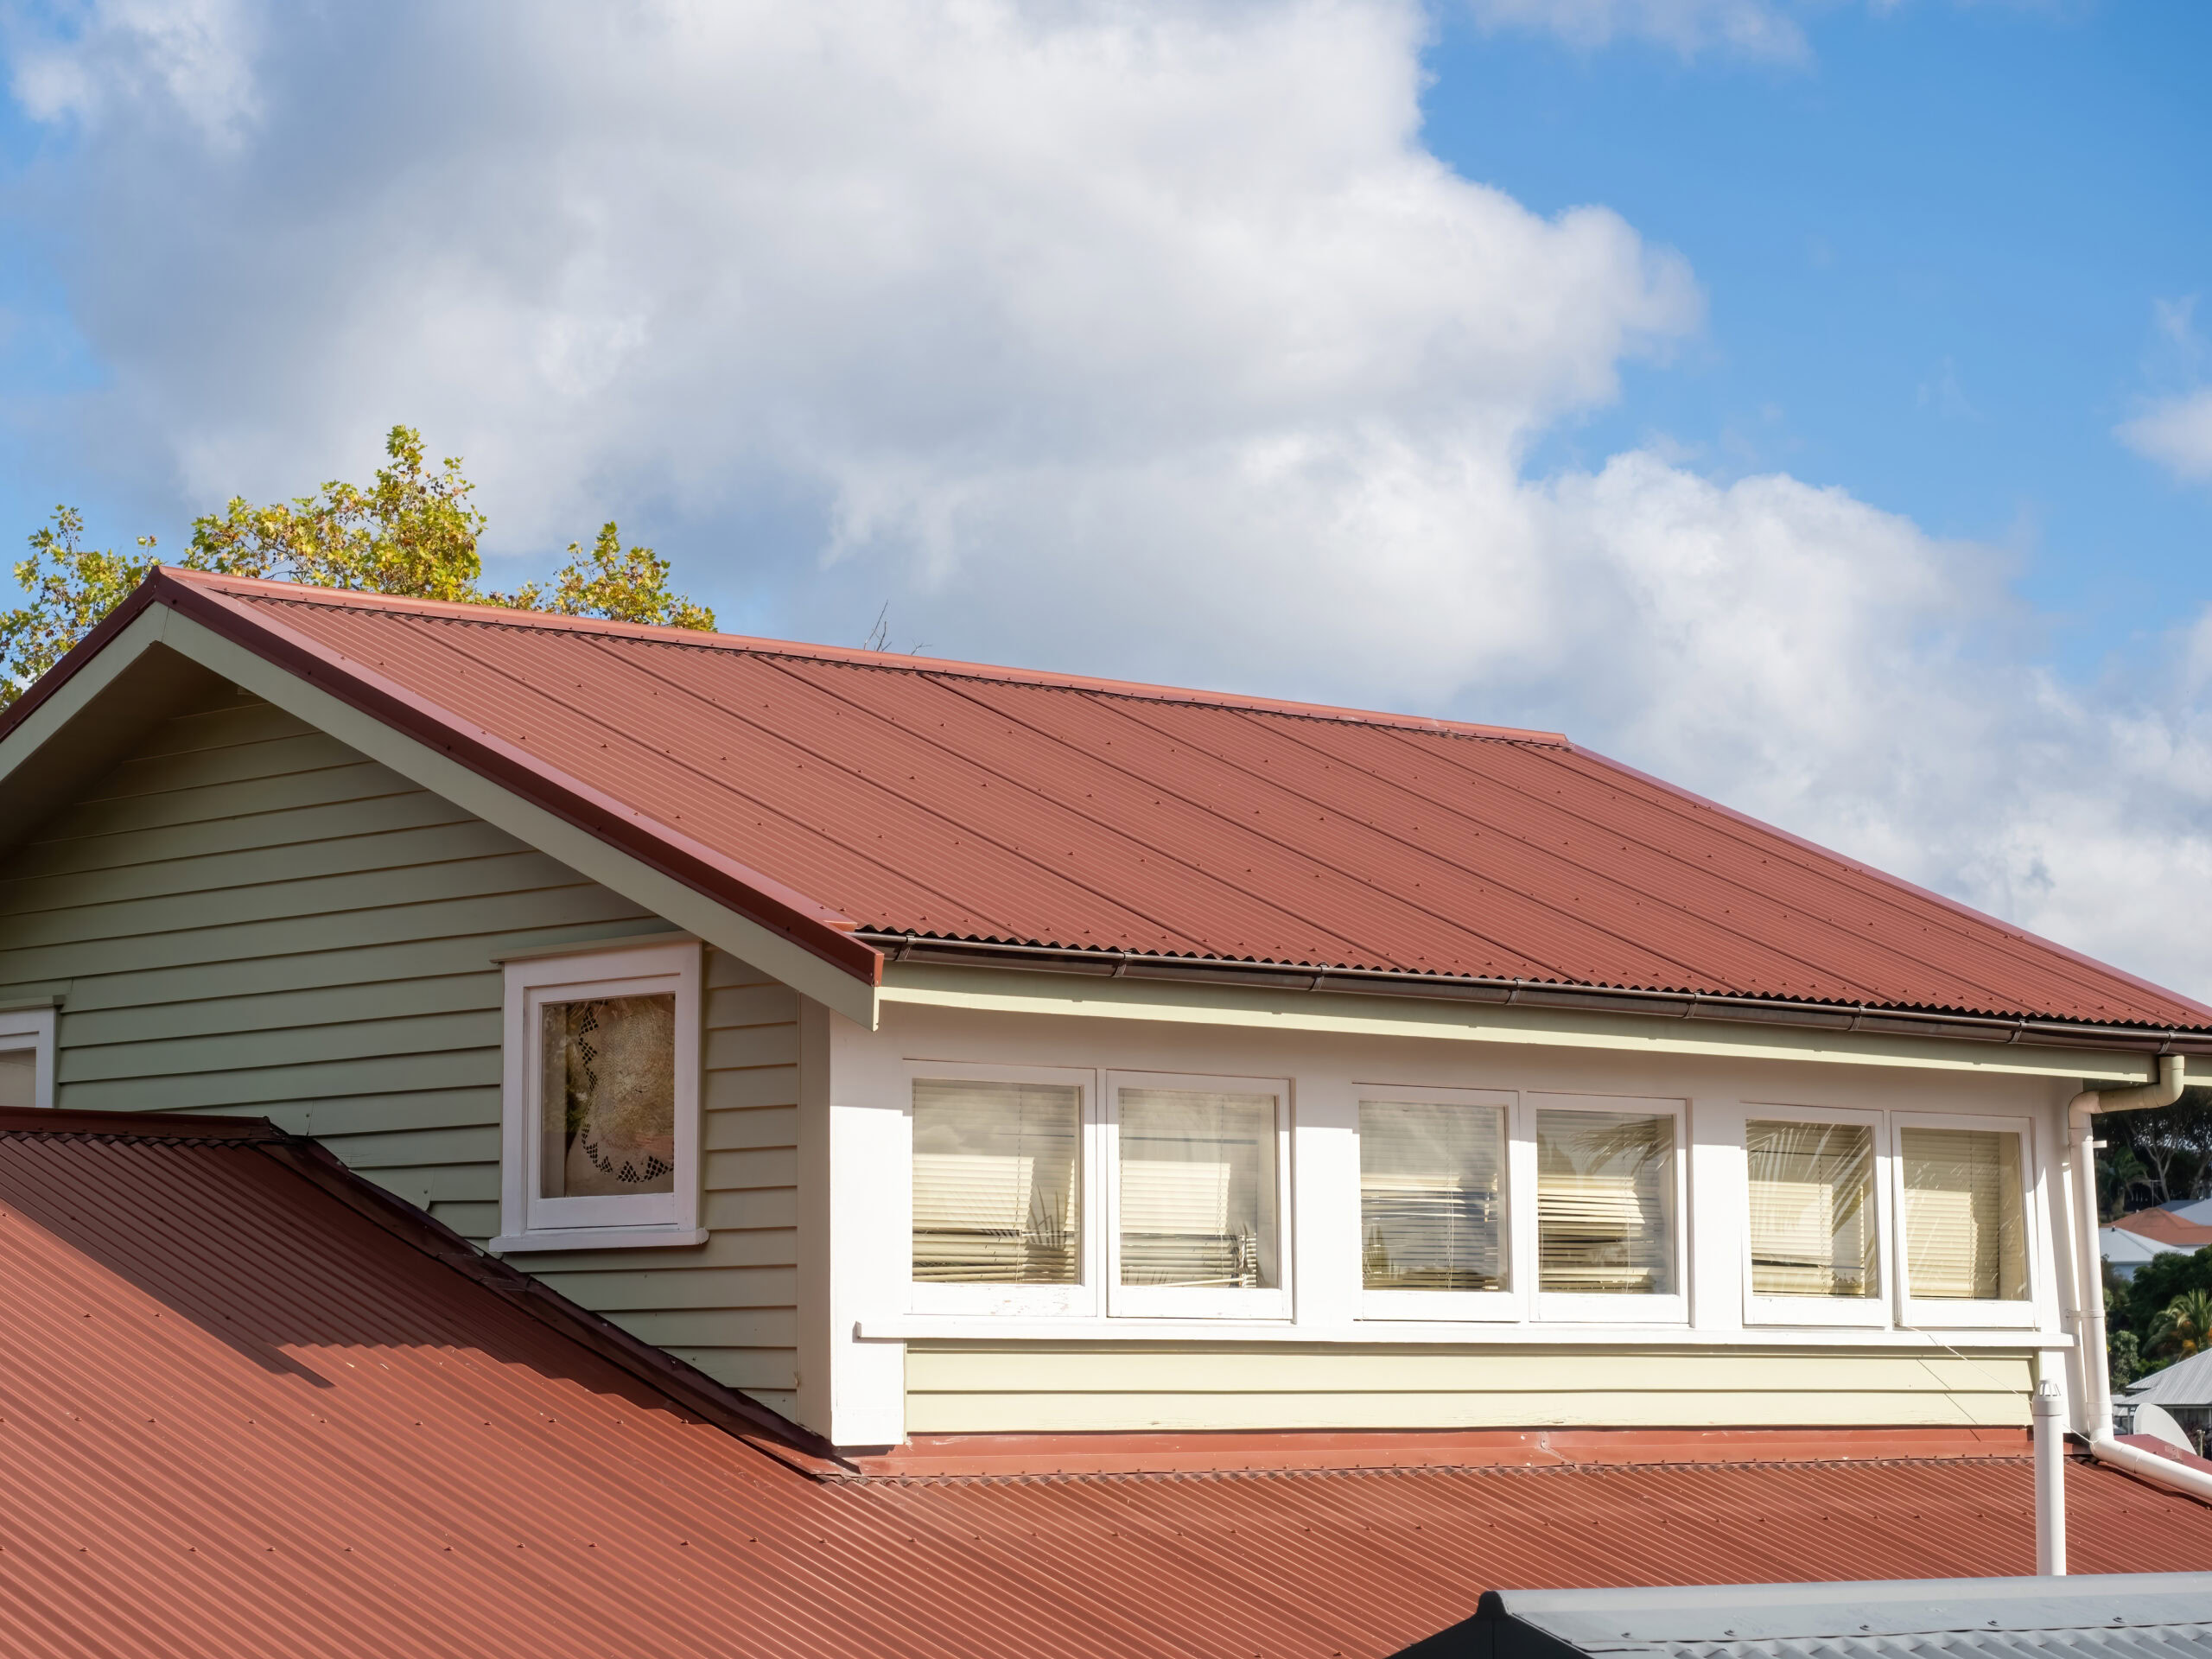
(33, 1029)
(1929, 1313)
(1180, 1301)
(1470, 1305)
(1559, 1307)
(1825, 1311)
(530, 1223)
(1082, 1300)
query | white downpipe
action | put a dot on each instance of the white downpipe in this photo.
(2080, 1206)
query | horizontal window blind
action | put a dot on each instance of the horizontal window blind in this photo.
(1430, 1196)
(1197, 1189)
(996, 1195)
(1604, 1203)
(1964, 1232)
(1812, 1209)
(18, 1077)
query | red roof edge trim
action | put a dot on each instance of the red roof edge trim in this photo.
(697, 640)
(95, 641)
(137, 1126)
(806, 922)
(1981, 918)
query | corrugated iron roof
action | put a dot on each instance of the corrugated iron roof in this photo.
(2117, 1616)
(2185, 1383)
(253, 1407)
(864, 792)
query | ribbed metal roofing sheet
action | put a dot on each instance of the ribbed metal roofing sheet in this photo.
(2118, 1616)
(887, 793)
(251, 1409)
(2186, 1382)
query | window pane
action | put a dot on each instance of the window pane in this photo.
(1812, 1209)
(1964, 1238)
(1197, 1189)
(1606, 1204)
(1432, 1215)
(996, 1190)
(606, 1110)
(18, 1077)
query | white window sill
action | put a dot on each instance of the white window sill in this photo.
(1371, 1333)
(1809, 1312)
(599, 1238)
(1930, 1314)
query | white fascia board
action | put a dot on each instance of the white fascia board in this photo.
(417, 762)
(1015, 991)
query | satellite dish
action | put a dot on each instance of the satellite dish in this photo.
(2157, 1422)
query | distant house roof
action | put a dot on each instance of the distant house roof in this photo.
(2122, 1615)
(2123, 1249)
(862, 801)
(2185, 1383)
(256, 1407)
(2166, 1228)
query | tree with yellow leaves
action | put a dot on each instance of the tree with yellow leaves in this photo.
(412, 533)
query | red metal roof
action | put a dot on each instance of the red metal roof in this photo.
(253, 1406)
(841, 790)
(2166, 1228)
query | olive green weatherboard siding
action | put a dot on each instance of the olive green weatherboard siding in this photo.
(1074, 1387)
(246, 915)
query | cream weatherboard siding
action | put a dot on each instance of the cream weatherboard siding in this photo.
(982, 1388)
(247, 916)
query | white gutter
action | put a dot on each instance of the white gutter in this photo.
(2080, 1205)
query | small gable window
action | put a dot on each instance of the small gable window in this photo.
(601, 1080)
(27, 1057)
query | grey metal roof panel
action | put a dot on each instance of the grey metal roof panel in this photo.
(2111, 1616)
(2185, 1383)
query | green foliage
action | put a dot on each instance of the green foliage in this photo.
(2183, 1326)
(70, 587)
(627, 584)
(2159, 1156)
(2137, 1303)
(2125, 1355)
(412, 533)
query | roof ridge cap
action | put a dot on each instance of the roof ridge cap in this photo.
(699, 639)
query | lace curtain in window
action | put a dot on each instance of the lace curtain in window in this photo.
(607, 1096)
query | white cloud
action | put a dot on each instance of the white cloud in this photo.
(1140, 339)
(190, 58)
(2177, 433)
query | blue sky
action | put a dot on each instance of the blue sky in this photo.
(1801, 399)
(1934, 253)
